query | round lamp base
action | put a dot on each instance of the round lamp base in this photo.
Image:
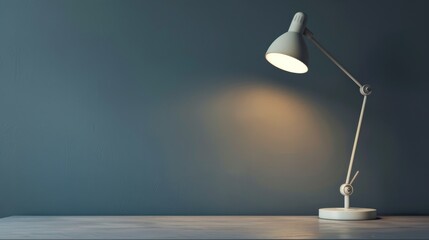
(348, 213)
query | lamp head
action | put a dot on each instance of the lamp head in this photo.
(289, 52)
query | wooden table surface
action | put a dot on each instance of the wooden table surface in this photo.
(210, 227)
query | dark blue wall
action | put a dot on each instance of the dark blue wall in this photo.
(169, 107)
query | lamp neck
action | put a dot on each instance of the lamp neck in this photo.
(298, 23)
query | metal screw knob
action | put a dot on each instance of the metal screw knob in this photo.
(365, 90)
(346, 189)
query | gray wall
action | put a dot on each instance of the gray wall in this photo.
(169, 107)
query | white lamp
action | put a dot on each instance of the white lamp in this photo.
(289, 53)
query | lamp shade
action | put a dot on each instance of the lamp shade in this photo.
(289, 51)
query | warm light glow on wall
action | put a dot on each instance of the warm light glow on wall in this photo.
(273, 132)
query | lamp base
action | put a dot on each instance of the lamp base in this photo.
(348, 213)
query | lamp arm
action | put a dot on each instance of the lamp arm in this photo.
(365, 90)
(356, 141)
(310, 36)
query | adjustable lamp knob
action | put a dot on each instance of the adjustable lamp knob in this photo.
(365, 90)
(346, 189)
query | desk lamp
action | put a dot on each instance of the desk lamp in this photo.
(289, 53)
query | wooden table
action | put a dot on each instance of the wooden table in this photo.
(209, 227)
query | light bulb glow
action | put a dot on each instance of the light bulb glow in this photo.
(286, 63)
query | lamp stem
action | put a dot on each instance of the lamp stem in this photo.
(356, 140)
(310, 36)
(346, 201)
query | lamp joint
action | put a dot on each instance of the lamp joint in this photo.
(365, 90)
(308, 33)
(346, 189)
